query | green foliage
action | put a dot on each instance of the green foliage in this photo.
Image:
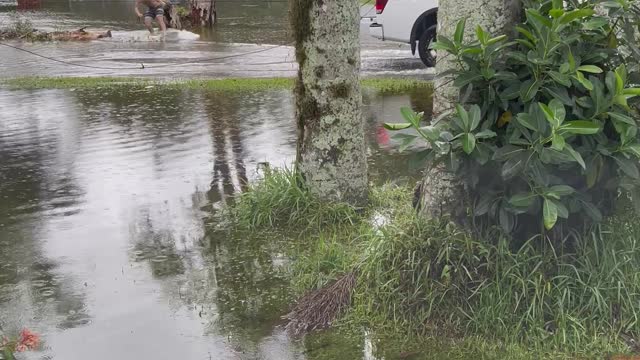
(281, 199)
(551, 112)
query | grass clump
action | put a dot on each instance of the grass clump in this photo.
(280, 199)
(380, 85)
(430, 281)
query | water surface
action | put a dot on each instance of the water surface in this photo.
(106, 210)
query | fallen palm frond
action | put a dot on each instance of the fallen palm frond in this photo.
(319, 308)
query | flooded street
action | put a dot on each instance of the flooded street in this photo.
(250, 40)
(107, 201)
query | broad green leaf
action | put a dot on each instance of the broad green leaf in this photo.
(484, 204)
(512, 167)
(631, 92)
(464, 116)
(582, 127)
(590, 69)
(576, 14)
(430, 132)
(459, 34)
(496, 40)
(621, 100)
(593, 171)
(474, 117)
(410, 116)
(623, 118)
(554, 112)
(527, 121)
(558, 142)
(575, 155)
(397, 126)
(522, 200)
(511, 92)
(595, 23)
(560, 93)
(621, 78)
(485, 134)
(557, 4)
(629, 167)
(526, 33)
(467, 78)
(536, 17)
(611, 4)
(550, 214)
(610, 80)
(583, 81)
(563, 212)
(572, 61)
(529, 89)
(444, 44)
(482, 35)
(592, 211)
(468, 143)
(561, 190)
(560, 78)
(556, 13)
(633, 149)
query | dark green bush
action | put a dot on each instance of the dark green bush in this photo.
(549, 130)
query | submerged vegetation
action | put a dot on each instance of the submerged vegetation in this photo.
(380, 85)
(431, 281)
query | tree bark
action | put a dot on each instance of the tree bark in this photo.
(441, 193)
(331, 145)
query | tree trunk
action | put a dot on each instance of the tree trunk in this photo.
(331, 145)
(440, 193)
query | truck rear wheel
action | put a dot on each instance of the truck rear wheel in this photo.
(427, 55)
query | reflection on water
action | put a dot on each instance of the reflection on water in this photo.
(105, 200)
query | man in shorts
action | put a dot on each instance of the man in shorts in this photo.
(155, 10)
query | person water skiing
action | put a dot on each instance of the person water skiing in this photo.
(155, 10)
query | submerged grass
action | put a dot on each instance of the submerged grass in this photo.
(382, 85)
(429, 282)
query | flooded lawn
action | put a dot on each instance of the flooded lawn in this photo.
(106, 210)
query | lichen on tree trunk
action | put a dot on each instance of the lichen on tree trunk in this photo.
(331, 146)
(441, 193)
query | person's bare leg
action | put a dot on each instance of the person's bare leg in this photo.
(147, 23)
(163, 26)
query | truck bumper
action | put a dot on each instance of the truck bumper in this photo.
(377, 31)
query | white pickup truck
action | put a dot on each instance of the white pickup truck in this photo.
(408, 21)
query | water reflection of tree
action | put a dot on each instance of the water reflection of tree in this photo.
(157, 247)
(224, 113)
(36, 185)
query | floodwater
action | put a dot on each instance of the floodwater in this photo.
(253, 32)
(107, 199)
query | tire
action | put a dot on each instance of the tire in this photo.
(427, 55)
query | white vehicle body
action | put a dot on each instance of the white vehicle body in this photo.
(405, 21)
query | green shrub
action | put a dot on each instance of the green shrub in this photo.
(550, 112)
